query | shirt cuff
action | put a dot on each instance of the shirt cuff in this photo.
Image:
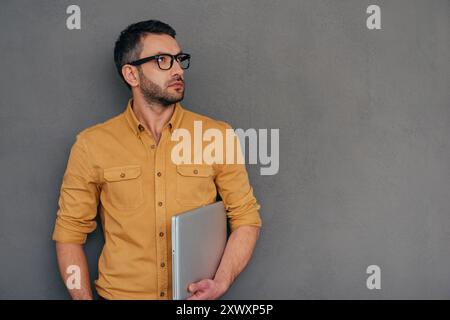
(251, 218)
(64, 235)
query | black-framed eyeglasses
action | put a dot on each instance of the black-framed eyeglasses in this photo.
(165, 60)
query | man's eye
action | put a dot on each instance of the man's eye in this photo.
(162, 59)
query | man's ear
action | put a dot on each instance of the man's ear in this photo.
(130, 75)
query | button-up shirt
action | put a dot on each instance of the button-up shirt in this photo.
(117, 169)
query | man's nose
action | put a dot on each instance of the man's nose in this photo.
(176, 68)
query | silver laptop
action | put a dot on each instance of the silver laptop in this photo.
(199, 237)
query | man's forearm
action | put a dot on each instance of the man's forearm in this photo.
(237, 254)
(70, 254)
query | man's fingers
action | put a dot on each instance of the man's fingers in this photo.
(192, 287)
(201, 285)
(196, 296)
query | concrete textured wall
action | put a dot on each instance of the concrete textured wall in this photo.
(364, 120)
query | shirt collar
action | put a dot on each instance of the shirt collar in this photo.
(137, 126)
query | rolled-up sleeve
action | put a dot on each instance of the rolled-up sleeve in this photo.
(78, 199)
(236, 192)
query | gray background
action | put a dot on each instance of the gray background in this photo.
(364, 119)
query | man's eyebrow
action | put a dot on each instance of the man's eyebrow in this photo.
(160, 52)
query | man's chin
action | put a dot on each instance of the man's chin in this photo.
(177, 97)
(172, 100)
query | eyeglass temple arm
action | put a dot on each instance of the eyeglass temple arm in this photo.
(141, 61)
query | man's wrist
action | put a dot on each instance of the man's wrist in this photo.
(223, 284)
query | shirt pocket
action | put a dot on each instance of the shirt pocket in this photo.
(123, 187)
(195, 184)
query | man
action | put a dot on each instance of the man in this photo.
(124, 168)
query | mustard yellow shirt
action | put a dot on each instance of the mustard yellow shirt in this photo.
(116, 168)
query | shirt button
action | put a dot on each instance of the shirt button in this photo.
(152, 146)
(163, 264)
(195, 171)
(159, 174)
(162, 294)
(141, 127)
(161, 234)
(160, 204)
(122, 175)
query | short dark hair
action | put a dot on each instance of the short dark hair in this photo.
(128, 46)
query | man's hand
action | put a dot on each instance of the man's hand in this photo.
(237, 253)
(206, 289)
